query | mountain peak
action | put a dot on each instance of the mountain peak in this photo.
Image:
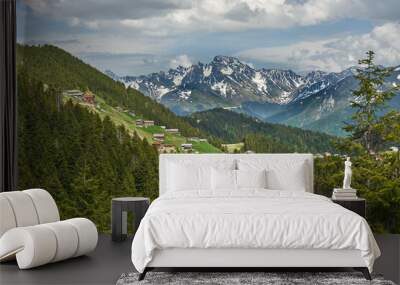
(225, 59)
(316, 74)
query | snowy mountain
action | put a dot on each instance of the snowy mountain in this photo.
(321, 106)
(317, 100)
(316, 81)
(230, 79)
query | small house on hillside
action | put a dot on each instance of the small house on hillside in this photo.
(187, 146)
(139, 123)
(72, 93)
(159, 137)
(88, 97)
(148, 123)
(144, 123)
(172, 131)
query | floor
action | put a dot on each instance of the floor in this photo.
(110, 260)
(104, 266)
(389, 262)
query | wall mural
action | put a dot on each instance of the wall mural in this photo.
(104, 87)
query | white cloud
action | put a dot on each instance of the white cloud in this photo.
(181, 60)
(105, 9)
(94, 25)
(159, 27)
(334, 54)
(177, 16)
(108, 43)
(74, 21)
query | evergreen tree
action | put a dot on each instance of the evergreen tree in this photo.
(81, 160)
(368, 126)
(231, 127)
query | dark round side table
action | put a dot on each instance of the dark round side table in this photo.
(119, 212)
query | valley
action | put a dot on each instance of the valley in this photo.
(256, 135)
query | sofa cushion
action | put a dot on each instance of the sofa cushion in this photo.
(87, 235)
(23, 208)
(67, 240)
(46, 207)
(7, 220)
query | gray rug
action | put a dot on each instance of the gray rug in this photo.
(269, 278)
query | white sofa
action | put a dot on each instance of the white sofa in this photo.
(31, 231)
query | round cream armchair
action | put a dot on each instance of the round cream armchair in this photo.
(31, 230)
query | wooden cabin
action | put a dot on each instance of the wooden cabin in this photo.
(88, 97)
(159, 137)
(148, 123)
(72, 93)
(172, 131)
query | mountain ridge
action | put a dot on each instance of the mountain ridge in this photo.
(232, 79)
(273, 95)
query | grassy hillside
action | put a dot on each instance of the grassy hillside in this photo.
(233, 147)
(122, 118)
(232, 128)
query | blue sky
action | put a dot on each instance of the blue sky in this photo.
(143, 36)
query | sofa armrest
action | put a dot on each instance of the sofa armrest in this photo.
(40, 244)
(32, 246)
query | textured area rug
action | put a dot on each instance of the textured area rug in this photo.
(233, 278)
